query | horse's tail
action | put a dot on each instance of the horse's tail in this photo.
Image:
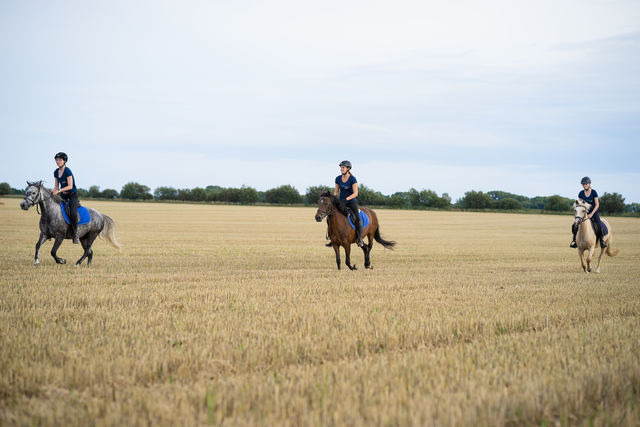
(109, 232)
(389, 244)
(610, 250)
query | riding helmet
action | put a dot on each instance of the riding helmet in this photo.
(62, 156)
(585, 180)
(346, 163)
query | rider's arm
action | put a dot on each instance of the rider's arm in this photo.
(69, 184)
(354, 187)
(595, 207)
(55, 186)
(336, 191)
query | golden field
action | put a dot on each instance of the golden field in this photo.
(231, 315)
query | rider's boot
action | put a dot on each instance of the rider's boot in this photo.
(574, 230)
(359, 231)
(603, 244)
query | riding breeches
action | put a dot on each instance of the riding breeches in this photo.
(73, 203)
(353, 207)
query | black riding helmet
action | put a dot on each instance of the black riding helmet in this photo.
(345, 163)
(62, 156)
(585, 180)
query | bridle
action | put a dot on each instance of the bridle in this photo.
(328, 212)
(35, 201)
(580, 219)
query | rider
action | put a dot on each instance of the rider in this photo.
(347, 191)
(67, 190)
(590, 196)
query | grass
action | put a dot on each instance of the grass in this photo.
(237, 315)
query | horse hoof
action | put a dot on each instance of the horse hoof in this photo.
(61, 261)
(36, 262)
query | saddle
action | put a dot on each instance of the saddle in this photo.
(364, 219)
(83, 213)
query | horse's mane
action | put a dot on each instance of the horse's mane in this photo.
(337, 203)
(46, 191)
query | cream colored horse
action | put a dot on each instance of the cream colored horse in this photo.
(586, 237)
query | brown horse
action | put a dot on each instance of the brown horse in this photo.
(342, 234)
(586, 237)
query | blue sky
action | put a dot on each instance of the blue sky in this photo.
(525, 97)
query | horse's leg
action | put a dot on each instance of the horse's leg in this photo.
(347, 256)
(54, 249)
(590, 257)
(602, 251)
(337, 249)
(86, 245)
(367, 261)
(581, 256)
(41, 240)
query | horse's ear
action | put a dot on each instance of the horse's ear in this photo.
(39, 184)
(29, 184)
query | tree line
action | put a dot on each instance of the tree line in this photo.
(610, 203)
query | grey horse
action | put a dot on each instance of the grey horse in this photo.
(53, 225)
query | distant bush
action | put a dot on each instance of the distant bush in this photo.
(135, 191)
(475, 200)
(5, 188)
(428, 198)
(313, 193)
(165, 193)
(612, 203)
(109, 193)
(285, 194)
(557, 203)
(508, 204)
(368, 196)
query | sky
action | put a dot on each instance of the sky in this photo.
(519, 96)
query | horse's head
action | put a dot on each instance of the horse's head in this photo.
(32, 195)
(325, 206)
(580, 209)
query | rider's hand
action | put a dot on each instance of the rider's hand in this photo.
(54, 192)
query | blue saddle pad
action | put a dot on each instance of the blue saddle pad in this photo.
(364, 219)
(85, 216)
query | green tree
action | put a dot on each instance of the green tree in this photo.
(500, 195)
(428, 198)
(247, 195)
(508, 203)
(184, 194)
(5, 188)
(557, 203)
(475, 200)
(135, 191)
(312, 195)
(109, 193)
(612, 203)
(285, 194)
(229, 195)
(398, 200)
(370, 197)
(82, 193)
(94, 192)
(165, 193)
(198, 194)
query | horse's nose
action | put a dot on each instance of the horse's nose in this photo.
(318, 217)
(23, 205)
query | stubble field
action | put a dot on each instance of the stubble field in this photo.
(234, 315)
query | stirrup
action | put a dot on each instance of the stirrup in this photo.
(603, 244)
(573, 244)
